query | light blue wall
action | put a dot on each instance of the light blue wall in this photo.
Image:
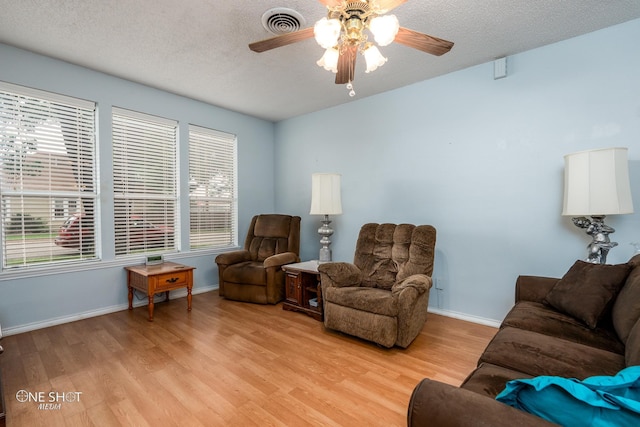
(478, 158)
(40, 300)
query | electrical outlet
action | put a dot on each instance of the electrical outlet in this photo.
(439, 283)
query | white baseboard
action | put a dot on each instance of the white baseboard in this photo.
(181, 293)
(467, 317)
(201, 289)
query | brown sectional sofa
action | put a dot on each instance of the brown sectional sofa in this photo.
(537, 338)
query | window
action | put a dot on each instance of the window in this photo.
(144, 183)
(47, 177)
(212, 188)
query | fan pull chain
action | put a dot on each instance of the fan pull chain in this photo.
(352, 66)
(352, 92)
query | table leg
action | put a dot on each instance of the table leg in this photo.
(188, 298)
(166, 294)
(130, 298)
(150, 308)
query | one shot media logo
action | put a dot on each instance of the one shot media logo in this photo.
(52, 400)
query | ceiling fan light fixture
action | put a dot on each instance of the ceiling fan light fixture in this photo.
(327, 32)
(373, 57)
(346, 30)
(329, 60)
(384, 29)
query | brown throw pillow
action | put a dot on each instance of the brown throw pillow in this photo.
(586, 290)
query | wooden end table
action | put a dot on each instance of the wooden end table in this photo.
(302, 285)
(154, 279)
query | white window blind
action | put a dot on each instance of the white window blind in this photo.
(48, 189)
(212, 188)
(144, 182)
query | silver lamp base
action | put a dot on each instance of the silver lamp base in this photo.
(325, 231)
(599, 232)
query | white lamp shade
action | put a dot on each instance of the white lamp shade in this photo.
(373, 58)
(325, 194)
(596, 182)
(327, 32)
(329, 60)
(384, 29)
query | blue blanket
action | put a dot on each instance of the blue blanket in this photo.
(596, 401)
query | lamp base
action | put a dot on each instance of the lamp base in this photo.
(600, 244)
(325, 231)
(325, 255)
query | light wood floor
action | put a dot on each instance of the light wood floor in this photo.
(224, 364)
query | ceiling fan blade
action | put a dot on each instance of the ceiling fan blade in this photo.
(282, 40)
(346, 65)
(330, 3)
(386, 5)
(423, 42)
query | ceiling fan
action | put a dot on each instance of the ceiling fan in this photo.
(342, 34)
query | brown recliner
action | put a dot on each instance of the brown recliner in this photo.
(383, 296)
(255, 273)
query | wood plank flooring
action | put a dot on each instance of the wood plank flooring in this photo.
(223, 364)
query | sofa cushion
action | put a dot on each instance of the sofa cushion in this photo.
(374, 327)
(632, 351)
(586, 290)
(262, 248)
(250, 272)
(373, 300)
(273, 226)
(490, 380)
(420, 259)
(538, 354)
(373, 256)
(537, 317)
(382, 274)
(388, 253)
(626, 309)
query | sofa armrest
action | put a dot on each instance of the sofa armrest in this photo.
(412, 300)
(533, 288)
(278, 260)
(233, 257)
(339, 274)
(438, 404)
(420, 282)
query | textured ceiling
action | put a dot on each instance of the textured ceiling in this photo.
(198, 48)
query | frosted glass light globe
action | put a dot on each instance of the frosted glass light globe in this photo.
(327, 32)
(384, 29)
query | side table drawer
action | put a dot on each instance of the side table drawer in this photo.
(302, 289)
(171, 280)
(293, 289)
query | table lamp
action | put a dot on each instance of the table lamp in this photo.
(325, 200)
(596, 184)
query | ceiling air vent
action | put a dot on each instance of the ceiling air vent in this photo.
(282, 20)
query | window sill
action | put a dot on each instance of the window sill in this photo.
(24, 273)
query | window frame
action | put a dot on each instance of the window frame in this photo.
(139, 216)
(219, 150)
(62, 168)
(102, 160)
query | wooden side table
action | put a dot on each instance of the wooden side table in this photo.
(154, 279)
(303, 291)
